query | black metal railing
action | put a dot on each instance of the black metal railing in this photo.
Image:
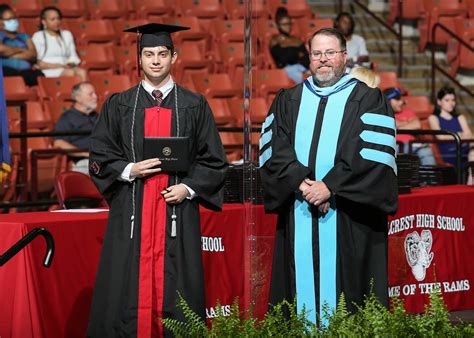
(40, 231)
(457, 140)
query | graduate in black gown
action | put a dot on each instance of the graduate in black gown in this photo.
(327, 163)
(152, 244)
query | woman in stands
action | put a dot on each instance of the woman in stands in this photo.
(288, 51)
(17, 52)
(55, 47)
(445, 117)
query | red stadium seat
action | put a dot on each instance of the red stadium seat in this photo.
(107, 9)
(126, 59)
(420, 105)
(203, 9)
(56, 108)
(17, 90)
(36, 116)
(229, 57)
(70, 8)
(47, 165)
(147, 8)
(30, 26)
(233, 145)
(270, 81)
(412, 10)
(119, 26)
(196, 35)
(227, 30)
(465, 60)
(470, 8)
(75, 189)
(258, 110)
(214, 85)
(26, 8)
(221, 112)
(389, 79)
(54, 88)
(106, 84)
(93, 31)
(308, 27)
(235, 9)
(264, 30)
(190, 61)
(97, 59)
(444, 12)
(296, 8)
(458, 55)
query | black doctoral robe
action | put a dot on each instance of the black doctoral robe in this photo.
(116, 307)
(364, 192)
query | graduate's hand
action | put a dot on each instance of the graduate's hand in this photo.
(145, 168)
(175, 194)
(317, 193)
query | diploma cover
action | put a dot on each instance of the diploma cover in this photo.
(173, 152)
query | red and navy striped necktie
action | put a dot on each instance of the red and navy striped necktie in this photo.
(158, 95)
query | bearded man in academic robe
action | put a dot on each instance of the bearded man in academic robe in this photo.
(152, 245)
(327, 162)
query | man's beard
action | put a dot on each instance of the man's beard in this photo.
(92, 107)
(329, 78)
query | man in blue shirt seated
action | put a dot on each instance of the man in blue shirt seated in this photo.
(81, 117)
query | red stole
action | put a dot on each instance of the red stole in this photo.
(153, 234)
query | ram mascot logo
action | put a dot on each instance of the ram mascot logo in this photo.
(417, 250)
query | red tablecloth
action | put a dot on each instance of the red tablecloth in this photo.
(430, 244)
(38, 302)
(54, 302)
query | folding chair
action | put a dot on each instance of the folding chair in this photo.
(75, 189)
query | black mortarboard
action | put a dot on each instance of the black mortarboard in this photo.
(154, 35)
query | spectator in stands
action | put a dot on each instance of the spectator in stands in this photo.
(55, 47)
(357, 53)
(17, 52)
(445, 117)
(288, 51)
(81, 117)
(369, 77)
(405, 118)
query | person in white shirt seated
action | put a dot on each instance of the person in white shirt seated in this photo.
(357, 53)
(55, 47)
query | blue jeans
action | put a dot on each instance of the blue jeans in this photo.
(423, 151)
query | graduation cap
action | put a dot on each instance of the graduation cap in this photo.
(154, 35)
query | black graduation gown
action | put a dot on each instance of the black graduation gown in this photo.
(364, 193)
(115, 300)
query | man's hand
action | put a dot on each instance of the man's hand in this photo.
(303, 186)
(175, 194)
(317, 192)
(324, 207)
(144, 168)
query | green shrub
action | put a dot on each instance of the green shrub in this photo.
(282, 320)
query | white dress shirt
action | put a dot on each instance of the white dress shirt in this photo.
(165, 89)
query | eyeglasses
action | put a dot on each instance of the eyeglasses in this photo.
(330, 54)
